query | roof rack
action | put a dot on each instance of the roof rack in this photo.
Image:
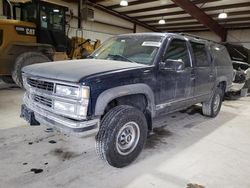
(197, 37)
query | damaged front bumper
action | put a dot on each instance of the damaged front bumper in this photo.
(35, 116)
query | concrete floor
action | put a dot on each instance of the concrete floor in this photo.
(190, 149)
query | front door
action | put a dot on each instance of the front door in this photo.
(177, 86)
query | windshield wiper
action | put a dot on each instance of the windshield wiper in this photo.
(121, 57)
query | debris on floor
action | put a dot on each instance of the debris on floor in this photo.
(36, 170)
(190, 185)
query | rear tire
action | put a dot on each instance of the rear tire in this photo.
(212, 107)
(7, 79)
(23, 60)
(122, 135)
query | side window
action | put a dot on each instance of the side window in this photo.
(57, 19)
(17, 12)
(44, 18)
(218, 52)
(52, 18)
(200, 54)
(6, 9)
(177, 50)
(28, 13)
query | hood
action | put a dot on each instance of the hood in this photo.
(75, 70)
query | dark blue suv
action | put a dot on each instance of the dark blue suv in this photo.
(125, 86)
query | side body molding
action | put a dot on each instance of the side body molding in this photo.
(105, 97)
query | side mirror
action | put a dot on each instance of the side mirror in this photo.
(172, 64)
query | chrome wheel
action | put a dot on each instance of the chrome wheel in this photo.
(216, 103)
(127, 138)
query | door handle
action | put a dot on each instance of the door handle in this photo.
(192, 77)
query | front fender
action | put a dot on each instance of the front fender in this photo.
(106, 96)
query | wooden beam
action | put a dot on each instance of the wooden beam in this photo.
(168, 6)
(131, 3)
(79, 20)
(238, 13)
(206, 29)
(185, 28)
(97, 1)
(160, 15)
(220, 7)
(196, 22)
(119, 15)
(134, 28)
(239, 25)
(202, 17)
(177, 24)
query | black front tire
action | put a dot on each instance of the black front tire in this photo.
(111, 138)
(23, 60)
(7, 80)
(212, 107)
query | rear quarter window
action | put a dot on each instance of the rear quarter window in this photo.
(220, 55)
(200, 54)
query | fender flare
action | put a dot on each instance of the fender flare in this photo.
(110, 94)
(221, 79)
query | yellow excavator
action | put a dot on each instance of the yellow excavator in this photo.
(35, 32)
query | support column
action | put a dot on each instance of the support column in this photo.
(134, 28)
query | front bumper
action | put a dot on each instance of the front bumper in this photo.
(55, 121)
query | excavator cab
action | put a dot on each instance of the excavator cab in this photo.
(49, 19)
(33, 32)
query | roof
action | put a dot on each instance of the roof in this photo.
(146, 33)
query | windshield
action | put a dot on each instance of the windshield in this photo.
(137, 49)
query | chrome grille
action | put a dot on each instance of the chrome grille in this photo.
(40, 84)
(42, 100)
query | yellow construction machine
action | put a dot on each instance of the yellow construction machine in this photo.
(35, 32)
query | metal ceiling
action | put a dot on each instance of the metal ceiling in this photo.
(182, 15)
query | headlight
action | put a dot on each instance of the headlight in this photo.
(75, 110)
(78, 107)
(72, 91)
(64, 107)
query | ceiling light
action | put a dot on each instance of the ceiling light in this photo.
(222, 15)
(162, 21)
(55, 10)
(124, 3)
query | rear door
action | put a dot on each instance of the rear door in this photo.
(203, 69)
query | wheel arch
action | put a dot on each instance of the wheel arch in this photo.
(222, 82)
(109, 95)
